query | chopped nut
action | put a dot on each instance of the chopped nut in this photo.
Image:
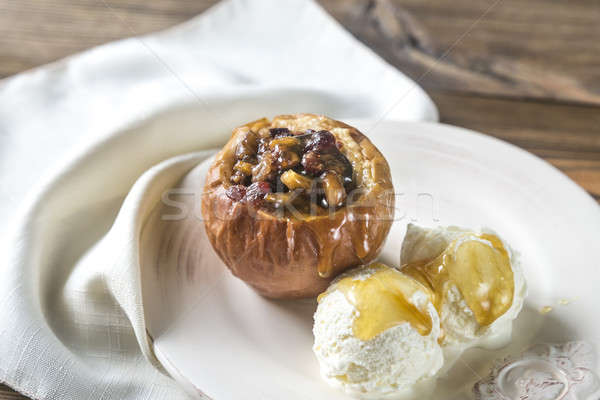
(335, 194)
(287, 159)
(264, 133)
(284, 142)
(279, 199)
(239, 178)
(246, 149)
(265, 169)
(243, 167)
(294, 180)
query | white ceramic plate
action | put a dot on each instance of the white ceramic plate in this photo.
(220, 339)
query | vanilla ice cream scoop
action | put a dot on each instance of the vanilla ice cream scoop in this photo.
(376, 334)
(476, 280)
(382, 332)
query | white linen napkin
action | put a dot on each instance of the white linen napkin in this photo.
(76, 135)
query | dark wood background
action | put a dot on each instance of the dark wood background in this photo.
(527, 72)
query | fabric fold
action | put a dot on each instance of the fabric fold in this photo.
(83, 144)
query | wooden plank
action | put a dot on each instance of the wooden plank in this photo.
(540, 49)
(537, 49)
(35, 32)
(567, 136)
(7, 393)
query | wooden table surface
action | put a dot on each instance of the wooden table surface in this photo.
(526, 72)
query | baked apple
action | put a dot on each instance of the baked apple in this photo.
(290, 203)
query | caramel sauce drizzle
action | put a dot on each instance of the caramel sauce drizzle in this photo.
(329, 236)
(383, 301)
(479, 266)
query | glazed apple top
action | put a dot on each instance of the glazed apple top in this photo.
(277, 166)
(299, 190)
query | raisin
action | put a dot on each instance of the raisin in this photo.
(321, 142)
(278, 132)
(263, 145)
(236, 192)
(312, 163)
(337, 162)
(257, 192)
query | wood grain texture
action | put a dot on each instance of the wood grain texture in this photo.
(35, 32)
(566, 135)
(7, 393)
(540, 49)
(526, 72)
